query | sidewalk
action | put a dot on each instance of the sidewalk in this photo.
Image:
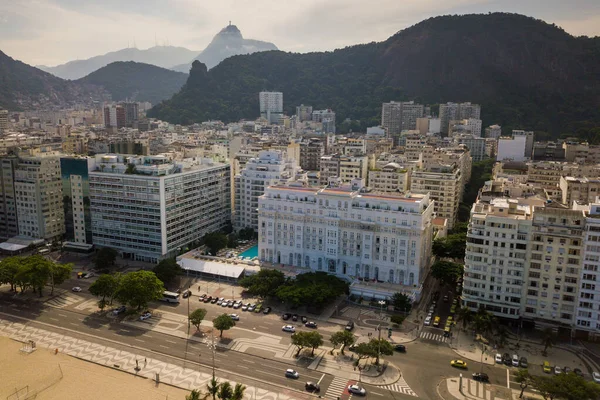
(451, 388)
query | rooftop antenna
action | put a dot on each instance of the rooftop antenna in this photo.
(134, 46)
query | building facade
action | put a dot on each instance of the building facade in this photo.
(347, 232)
(76, 198)
(9, 223)
(399, 116)
(311, 152)
(148, 208)
(271, 106)
(455, 111)
(390, 178)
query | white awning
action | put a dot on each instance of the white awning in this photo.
(11, 246)
(211, 267)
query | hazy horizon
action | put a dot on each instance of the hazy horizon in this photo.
(30, 33)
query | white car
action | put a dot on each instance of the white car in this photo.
(220, 301)
(224, 303)
(245, 307)
(89, 275)
(355, 389)
(76, 289)
(596, 377)
(234, 317)
(515, 360)
(145, 316)
(237, 304)
(428, 320)
(290, 373)
(288, 328)
(498, 358)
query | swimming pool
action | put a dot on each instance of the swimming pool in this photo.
(251, 252)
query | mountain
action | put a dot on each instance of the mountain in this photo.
(136, 81)
(524, 72)
(161, 56)
(229, 42)
(25, 87)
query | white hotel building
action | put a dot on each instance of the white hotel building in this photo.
(347, 231)
(161, 207)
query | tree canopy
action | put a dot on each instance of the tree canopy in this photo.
(344, 338)
(139, 288)
(312, 339)
(312, 289)
(264, 283)
(167, 270)
(223, 323)
(33, 272)
(401, 302)
(105, 259)
(197, 316)
(566, 387)
(447, 272)
(215, 241)
(105, 287)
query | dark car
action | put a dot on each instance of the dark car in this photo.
(230, 303)
(311, 324)
(304, 319)
(312, 387)
(119, 310)
(446, 298)
(578, 372)
(186, 294)
(481, 377)
(349, 326)
(214, 300)
(523, 362)
(201, 298)
(295, 317)
(207, 299)
(285, 316)
(506, 359)
(436, 296)
(267, 310)
(401, 348)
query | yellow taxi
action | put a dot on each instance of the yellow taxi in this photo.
(458, 364)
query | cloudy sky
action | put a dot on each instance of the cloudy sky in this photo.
(52, 32)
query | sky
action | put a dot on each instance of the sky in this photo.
(51, 32)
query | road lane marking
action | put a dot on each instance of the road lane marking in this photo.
(507, 378)
(63, 315)
(73, 323)
(148, 336)
(247, 361)
(140, 340)
(241, 366)
(319, 382)
(170, 341)
(165, 347)
(54, 319)
(378, 394)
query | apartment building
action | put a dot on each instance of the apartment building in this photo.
(326, 118)
(3, 121)
(149, 207)
(9, 224)
(399, 116)
(76, 198)
(311, 152)
(304, 113)
(582, 190)
(493, 131)
(471, 126)
(344, 167)
(588, 303)
(455, 111)
(390, 178)
(269, 168)
(114, 116)
(347, 232)
(476, 145)
(38, 195)
(271, 106)
(555, 265)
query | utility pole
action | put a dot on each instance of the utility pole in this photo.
(188, 301)
(378, 344)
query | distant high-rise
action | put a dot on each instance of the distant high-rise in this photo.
(76, 198)
(325, 117)
(131, 113)
(493, 131)
(3, 120)
(271, 106)
(304, 113)
(397, 117)
(114, 116)
(455, 111)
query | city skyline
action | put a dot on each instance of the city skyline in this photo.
(29, 35)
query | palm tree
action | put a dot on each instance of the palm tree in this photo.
(547, 340)
(483, 321)
(225, 391)
(195, 395)
(501, 336)
(213, 387)
(238, 392)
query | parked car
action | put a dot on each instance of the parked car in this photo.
(546, 367)
(290, 373)
(186, 293)
(355, 389)
(224, 303)
(481, 377)
(566, 370)
(557, 370)
(427, 320)
(245, 307)
(446, 298)
(506, 359)
(311, 324)
(214, 300)
(498, 358)
(515, 360)
(258, 308)
(234, 317)
(458, 364)
(596, 377)
(312, 387)
(432, 309)
(401, 348)
(76, 289)
(202, 297)
(207, 299)
(578, 372)
(295, 317)
(523, 362)
(119, 310)
(349, 326)
(304, 319)
(80, 275)
(145, 316)
(237, 304)
(288, 328)
(251, 307)
(267, 310)
(285, 316)
(230, 303)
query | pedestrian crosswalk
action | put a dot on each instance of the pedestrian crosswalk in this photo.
(336, 388)
(433, 336)
(63, 300)
(400, 386)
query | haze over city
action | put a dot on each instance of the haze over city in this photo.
(30, 30)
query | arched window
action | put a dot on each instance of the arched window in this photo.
(320, 264)
(358, 270)
(401, 277)
(299, 260)
(307, 261)
(411, 278)
(391, 276)
(376, 277)
(367, 272)
(291, 259)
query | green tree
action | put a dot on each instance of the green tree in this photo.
(59, 273)
(447, 272)
(397, 319)
(105, 287)
(364, 350)
(9, 267)
(105, 259)
(524, 379)
(194, 395)
(464, 316)
(264, 283)
(167, 270)
(314, 340)
(213, 387)
(139, 288)
(197, 316)
(313, 289)
(238, 392)
(232, 241)
(34, 272)
(225, 391)
(401, 302)
(380, 347)
(215, 241)
(131, 169)
(566, 387)
(483, 322)
(247, 234)
(223, 323)
(344, 338)
(547, 340)
(300, 340)
(501, 336)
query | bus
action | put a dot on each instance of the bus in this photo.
(170, 297)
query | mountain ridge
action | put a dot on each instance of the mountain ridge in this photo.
(524, 72)
(160, 56)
